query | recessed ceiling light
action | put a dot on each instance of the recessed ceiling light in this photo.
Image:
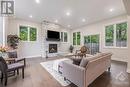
(56, 21)
(30, 16)
(83, 20)
(69, 25)
(111, 10)
(37, 1)
(68, 13)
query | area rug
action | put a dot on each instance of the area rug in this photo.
(56, 75)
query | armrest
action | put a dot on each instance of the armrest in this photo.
(74, 73)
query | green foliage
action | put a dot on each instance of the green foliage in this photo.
(78, 38)
(121, 34)
(91, 39)
(33, 34)
(74, 38)
(62, 36)
(109, 33)
(95, 39)
(65, 37)
(121, 31)
(24, 33)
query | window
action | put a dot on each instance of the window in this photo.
(92, 42)
(24, 33)
(109, 35)
(33, 34)
(61, 36)
(76, 38)
(116, 35)
(64, 37)
(121, 35)
(27, 33)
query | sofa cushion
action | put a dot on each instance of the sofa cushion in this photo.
(75, 60)
(84, 62)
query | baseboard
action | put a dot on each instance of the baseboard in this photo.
(118, 59)
(34, 56)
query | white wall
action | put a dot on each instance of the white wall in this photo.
(120, 54)
(128, 69)
(1, 31)
(26, 49)
(38, 48)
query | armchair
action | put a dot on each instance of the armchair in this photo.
(14, 55)
(5, 69)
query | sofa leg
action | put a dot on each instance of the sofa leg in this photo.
(109, 69)
(64, 79)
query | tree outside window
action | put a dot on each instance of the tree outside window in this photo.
(28, 33)
(121, 34)
(109, 35)
(65, 37)
(33, 34)
(116, 35)
(76, 38)
(24, 33)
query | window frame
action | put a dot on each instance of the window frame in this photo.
(63, 41)
(114, 43)
(76, 38)
(28, 28)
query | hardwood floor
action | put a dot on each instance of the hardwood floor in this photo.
(36, 76)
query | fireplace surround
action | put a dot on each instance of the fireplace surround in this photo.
(52, 48)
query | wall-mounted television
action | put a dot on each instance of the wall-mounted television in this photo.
(53, 35)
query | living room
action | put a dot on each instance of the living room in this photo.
(50, 33)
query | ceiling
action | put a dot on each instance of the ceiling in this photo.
(51, 10)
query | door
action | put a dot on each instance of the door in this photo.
(92, 42)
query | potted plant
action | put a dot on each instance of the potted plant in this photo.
(71, 48)
(12, 41)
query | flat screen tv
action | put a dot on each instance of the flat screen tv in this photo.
(53, 35)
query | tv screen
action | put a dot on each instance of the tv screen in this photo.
(53, 35)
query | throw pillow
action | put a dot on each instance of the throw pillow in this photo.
(84, 62)
(76, 61)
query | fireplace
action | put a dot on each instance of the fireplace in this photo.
(52, 48)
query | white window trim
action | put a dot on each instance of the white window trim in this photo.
(76, 38)
(111, 47)
(63, 37)
(28, 27)
(100, 40)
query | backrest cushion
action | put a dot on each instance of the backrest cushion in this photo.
(84, 62)
(12, 54)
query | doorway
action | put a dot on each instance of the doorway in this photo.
(93, 43)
